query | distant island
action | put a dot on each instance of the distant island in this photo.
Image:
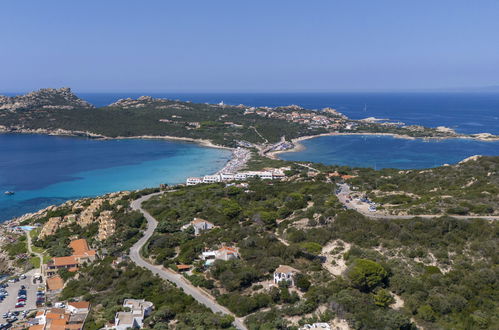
(60, 112)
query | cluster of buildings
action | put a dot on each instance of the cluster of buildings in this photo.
(270, 174)
(81, 254)
(70, 316)
(85, 215)
(299, 116)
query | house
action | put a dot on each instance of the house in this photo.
(139, 309)
(81, 251)
(227, 253)
(62, 319)
(321, 325)
(199, 225)
(285, 273)
(224, 253)
(81, 254)
(78, 307)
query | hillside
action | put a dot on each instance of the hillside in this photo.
(470, 187)
(363, 273)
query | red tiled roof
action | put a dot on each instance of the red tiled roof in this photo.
(79, 304)
(64, 261)
(55, 283)
(182, 267)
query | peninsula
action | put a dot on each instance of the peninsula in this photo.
(60, 112)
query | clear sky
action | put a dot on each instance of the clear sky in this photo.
(230, 45)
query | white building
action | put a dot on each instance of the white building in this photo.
(78, 307)
(324, 326)
(193, 181)
(225, 253)
(227, 177)
(199, 225)
(212, 178)
(269, 174)
(285, 273)
(139, 309)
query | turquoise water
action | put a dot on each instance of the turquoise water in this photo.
(386, 152)
(47, 170)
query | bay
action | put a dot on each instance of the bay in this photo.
(46, 170)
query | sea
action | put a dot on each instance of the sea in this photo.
(46, 170)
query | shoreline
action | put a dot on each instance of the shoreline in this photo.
(234, 161)
(85, 134)
(300, 147)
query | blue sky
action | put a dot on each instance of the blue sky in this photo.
(228, 45)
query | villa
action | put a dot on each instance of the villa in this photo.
(285, 273)
(199, 226)
(225, 253)
(134, 318)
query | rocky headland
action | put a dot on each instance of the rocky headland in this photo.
(46, 98)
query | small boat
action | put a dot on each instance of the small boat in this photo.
(9, 193)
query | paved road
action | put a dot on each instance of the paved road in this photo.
(345, 191)
(201, 296)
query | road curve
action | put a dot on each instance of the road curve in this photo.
(167, 274)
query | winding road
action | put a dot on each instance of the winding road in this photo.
(169, 275)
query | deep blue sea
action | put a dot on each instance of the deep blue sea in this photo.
(46, 170)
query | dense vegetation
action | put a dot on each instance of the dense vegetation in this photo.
(444, 270)
(470, 187)
(115, 121)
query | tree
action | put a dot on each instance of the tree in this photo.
(302, 282)
(230, 208)
(383, 298)
(426, 313)
(365, 274)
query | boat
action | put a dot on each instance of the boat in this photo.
(8, 193)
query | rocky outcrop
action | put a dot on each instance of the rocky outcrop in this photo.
(47, 98)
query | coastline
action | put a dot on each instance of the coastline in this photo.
(86, 134)
(300, 147)
(238, 158)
